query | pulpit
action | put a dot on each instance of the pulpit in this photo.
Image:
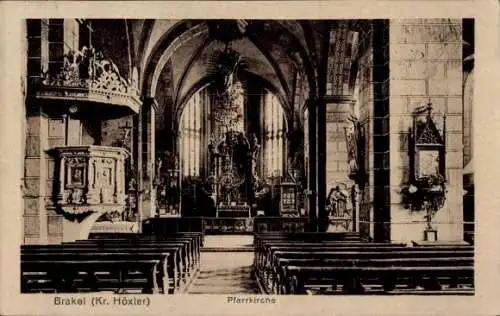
(91, 183)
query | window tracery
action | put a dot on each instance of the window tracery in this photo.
(191, 134)
(274, 132)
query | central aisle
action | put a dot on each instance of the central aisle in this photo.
(226, 266)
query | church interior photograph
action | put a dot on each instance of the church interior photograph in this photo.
(304, 157)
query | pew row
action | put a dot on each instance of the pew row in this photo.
(177, 261)
(299, 264)
(172, 265)
(69, 275)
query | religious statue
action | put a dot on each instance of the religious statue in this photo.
(212, 150)
(254, 155)
(241, 152)
(227, 64)
(224, 152)
(338, 202)
(159, 164)
(339, 208)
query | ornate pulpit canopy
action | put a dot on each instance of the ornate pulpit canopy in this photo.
(92, 83)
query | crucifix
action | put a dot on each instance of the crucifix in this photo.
(89, 27)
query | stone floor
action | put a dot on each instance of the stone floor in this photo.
(228, 243)
(226, 266)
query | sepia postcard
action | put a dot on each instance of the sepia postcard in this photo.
(242, 158)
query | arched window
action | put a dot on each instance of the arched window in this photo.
(274, 135)
(191, 134)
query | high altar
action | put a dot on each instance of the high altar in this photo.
(232, 154)
(228, 178)
(233, 162)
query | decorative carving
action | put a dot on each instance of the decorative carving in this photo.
(355, 142)
(86, 74)
(98, 188)
(426, 186)
(88, 69)
(167, 184)
(429, 134)
(289, 200)
(234, 161)
(427, 146)
(339, 208)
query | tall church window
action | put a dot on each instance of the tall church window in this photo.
(191, 134)
(274, 131)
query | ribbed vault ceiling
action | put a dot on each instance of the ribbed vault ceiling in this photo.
(267, 48)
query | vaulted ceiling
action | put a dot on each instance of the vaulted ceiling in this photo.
(174, 58)
(275, 51)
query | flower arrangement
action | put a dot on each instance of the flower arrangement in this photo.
(427, 193)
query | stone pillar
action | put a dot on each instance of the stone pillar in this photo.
(35, 173)
(35, 179)
(338, 109)
(57, 136)
(147, 151)
(137, 161)
(365, 100)
(312, 163)
(337, 112)
(321, 164)
(373, 202)
(426, 64)
(48, 40)
(381, 169)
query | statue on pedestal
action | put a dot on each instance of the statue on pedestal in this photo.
(254, 155)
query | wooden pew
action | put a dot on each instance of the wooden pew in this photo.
(195, 240)
(183, 251)
(182, 263)
(173, 262)
(198, 237)
(310, 236)
(62, 273)
(388, 275)
(190, 253)
(305, 253)
(193, 243)
(188, 243)
(283, 270)
(274, 270)
(269, 268)
(169, 226)
(268, 247)
(306, 237)
(271, 249)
